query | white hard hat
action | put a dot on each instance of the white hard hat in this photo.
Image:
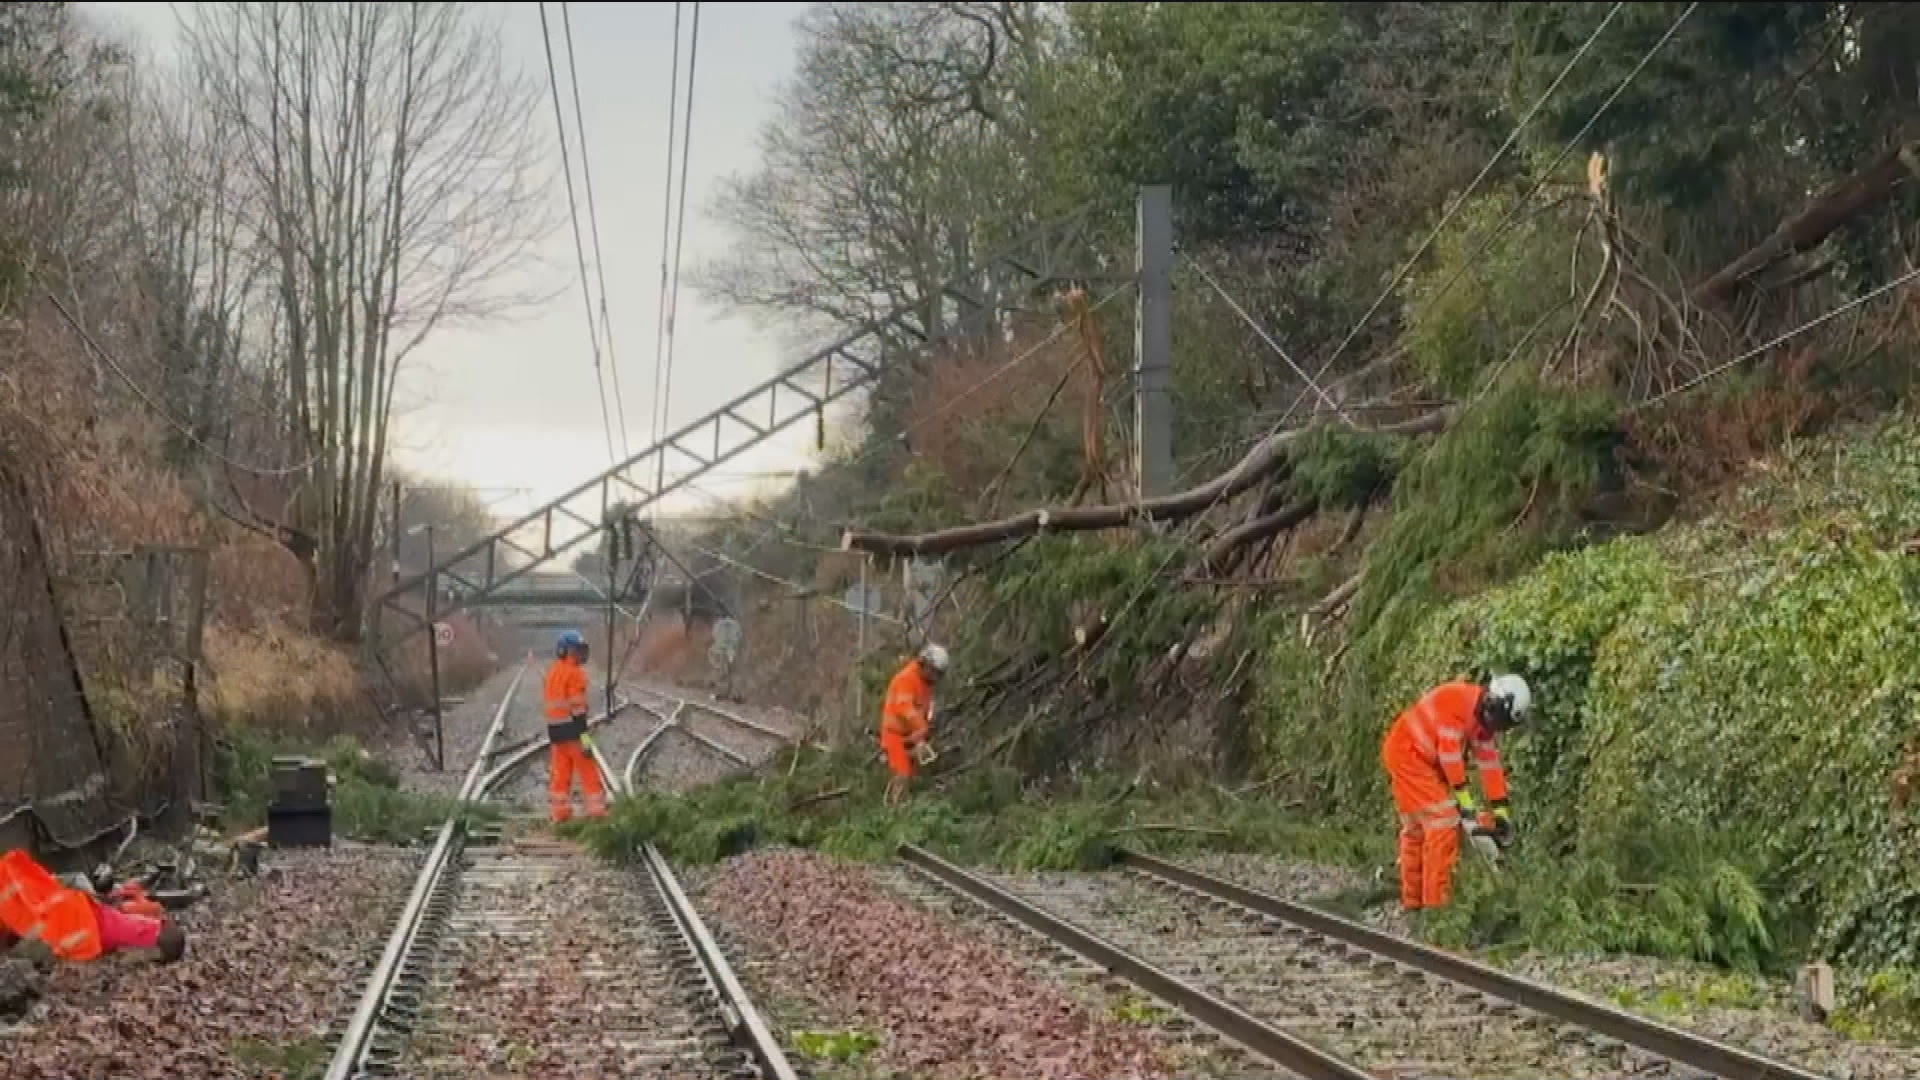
(935, 657)
(1513, 692)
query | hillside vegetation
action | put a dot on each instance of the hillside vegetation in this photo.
(162, 350)
(1572, 338)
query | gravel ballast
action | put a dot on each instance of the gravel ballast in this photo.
(943, 1003)
(1749, 1011)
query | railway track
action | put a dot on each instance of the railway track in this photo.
(724, 740)
(1327, 999)
(526, 956)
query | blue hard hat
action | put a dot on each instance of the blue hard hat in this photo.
(571, 640)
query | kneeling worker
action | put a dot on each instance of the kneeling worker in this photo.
(74, 925)
(904, 715)
(567, 738)
(1425, 757)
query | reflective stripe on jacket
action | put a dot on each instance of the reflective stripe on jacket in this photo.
(1439, 729)
(36, 907)
(904, 711)
(565, 698)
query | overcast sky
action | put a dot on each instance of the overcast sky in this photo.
(514, 405)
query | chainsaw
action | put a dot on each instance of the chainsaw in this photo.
(1480, 837)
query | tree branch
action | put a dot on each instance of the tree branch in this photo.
(1836, 206)
(1256, 530)
(1266, 456)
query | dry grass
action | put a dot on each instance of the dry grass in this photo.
(466, 663)
(280, 679)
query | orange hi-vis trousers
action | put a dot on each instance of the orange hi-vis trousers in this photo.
(1429, 830)
(566, 760)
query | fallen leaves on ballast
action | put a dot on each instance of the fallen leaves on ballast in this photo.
(944, 1003)
(271, 964)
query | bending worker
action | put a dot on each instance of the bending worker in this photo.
(74, 925)
(904, 716)
(1425, 756)
(567, 739)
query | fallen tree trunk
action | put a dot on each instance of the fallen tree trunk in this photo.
(1266, 456)
(1839, 204)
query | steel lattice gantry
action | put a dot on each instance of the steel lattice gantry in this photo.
(1001, 285)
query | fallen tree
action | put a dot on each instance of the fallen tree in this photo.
(1841, 203)
(1267, 457)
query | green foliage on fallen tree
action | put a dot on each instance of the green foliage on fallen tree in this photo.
(833, 802)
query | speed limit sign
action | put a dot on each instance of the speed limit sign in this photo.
(443, 634)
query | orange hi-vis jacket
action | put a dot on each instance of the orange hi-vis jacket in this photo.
(35, 906)
(566, 700)
(1439, 728)
(904, 713)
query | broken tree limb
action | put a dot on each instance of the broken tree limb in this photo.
(1159, 826)
(1344, 592)
(1267, 455)
(1258, 529)
(1834, 207)
(818, 797)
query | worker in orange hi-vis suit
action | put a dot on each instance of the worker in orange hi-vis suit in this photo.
(1425, 756)
(904, 717)
(567, 740)
(75, 926)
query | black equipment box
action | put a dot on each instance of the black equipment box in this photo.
(299, 828)
(300, 784)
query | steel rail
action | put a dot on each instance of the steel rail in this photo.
(724, 714)
(744, 1022)
(640, 752)
(389, 1001)
(1674, 1044)
(358, 1038)
(607, 776)
(526, 750)
(1287, 1050)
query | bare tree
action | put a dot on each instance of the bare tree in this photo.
(896, 158)
(391, 170)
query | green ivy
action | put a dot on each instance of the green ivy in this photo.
(1722, 710)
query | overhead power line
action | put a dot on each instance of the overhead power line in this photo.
(1261, 332)
(1722, 368)
(666, 233)
(579, 243)
(680, 224)
(593, 227)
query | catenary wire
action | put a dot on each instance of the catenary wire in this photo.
(579, 242)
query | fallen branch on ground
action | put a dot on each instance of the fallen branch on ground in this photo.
(818, 797)
(1340, 595)
(1167, 827)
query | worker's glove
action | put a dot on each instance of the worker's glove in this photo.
(586, 743)
(1502, 825)
(1469, 811)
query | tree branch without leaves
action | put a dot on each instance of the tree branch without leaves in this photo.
(1267, 456)
(388, 175)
